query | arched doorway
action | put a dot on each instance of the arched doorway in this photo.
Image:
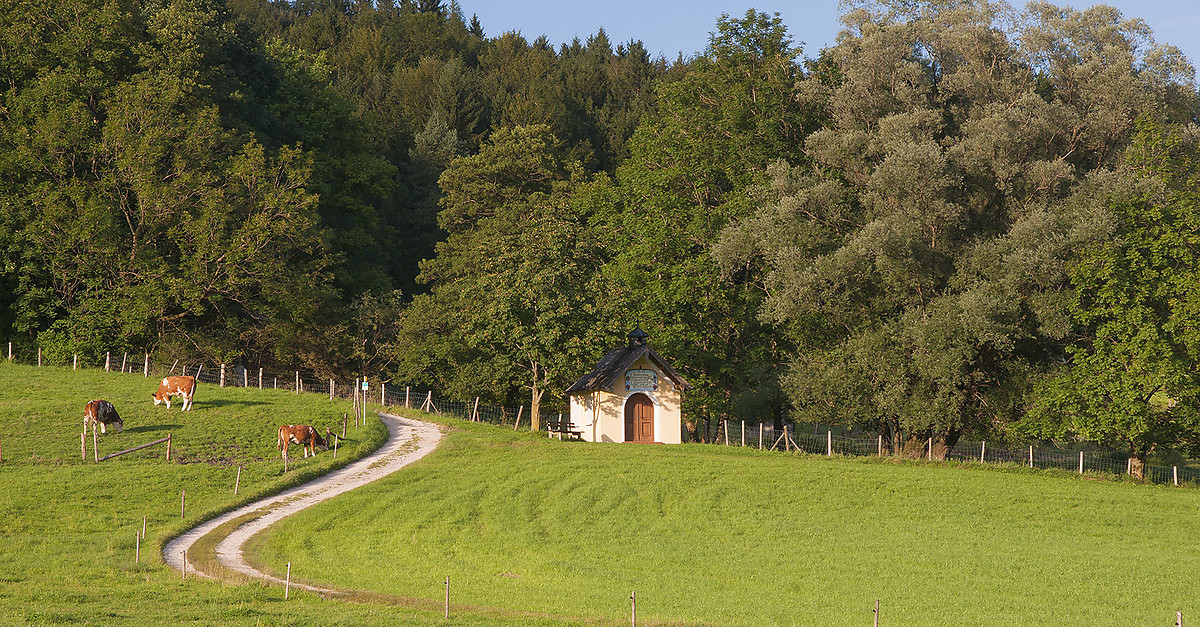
(639, 419)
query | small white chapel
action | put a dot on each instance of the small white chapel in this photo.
(632, 395)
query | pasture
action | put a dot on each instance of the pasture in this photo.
(533, 531)
(712, 535)
(68, 527)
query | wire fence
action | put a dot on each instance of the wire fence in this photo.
(761, 435)
(239, 375)
(1080, 460)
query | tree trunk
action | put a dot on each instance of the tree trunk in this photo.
(535, 409)
(1137, 466)
(690, 425)
(535, 401)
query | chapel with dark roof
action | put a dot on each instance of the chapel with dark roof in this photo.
(632, 395)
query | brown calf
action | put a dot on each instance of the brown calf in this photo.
(183, 387)
(101, 412)
(307, 437)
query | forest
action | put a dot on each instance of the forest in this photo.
(966, 217)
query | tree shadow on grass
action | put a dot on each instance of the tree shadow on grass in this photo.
(224, 402)
(149, 428)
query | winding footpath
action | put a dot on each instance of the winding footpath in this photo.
(408, 440)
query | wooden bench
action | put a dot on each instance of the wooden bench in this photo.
(561, 428)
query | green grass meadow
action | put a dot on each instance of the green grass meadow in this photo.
(533, 531)
(68, 526)
(714, 535)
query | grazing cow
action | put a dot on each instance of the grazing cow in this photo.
(307, 437)
(183, 387)
(101, 412)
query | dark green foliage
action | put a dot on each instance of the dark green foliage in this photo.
(911, 232)
(1133, 381)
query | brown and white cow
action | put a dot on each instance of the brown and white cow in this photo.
(183, 387)
(306, 436)
(101, 412)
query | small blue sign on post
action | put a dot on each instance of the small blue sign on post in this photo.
(364, 384)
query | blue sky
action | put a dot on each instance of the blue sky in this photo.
(669, 27)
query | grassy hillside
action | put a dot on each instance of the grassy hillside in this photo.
(713, 535)
(67, 527)
(538, 532)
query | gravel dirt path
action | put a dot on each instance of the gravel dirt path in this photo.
(408, 440)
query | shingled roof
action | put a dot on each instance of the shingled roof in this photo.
(615, 362)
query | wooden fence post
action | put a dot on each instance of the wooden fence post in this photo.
(124, 358)
(930, 449)
(982, 451)
(260, 378)
(83, 445)
(1175, 475)
(222, 375)
(146, 366)
(168, 447)
(1081, 462)
(75, 362)
(519, 411)
(287, 584)
(297, 381)
(743, 433)
(633, 608)
(1031, 456)
(447, 596)
(881, 445)
(10, 351)
(137, 547)
(39, 357)
(107, 361)
(331, 389)
(760, 430)
(406, 390)
(1129, 467)
(383, 393)
(474, 410)
(829, 443)
(245, 377)
(95, 447)
(876, 612)
(182, 503)
(237, 482)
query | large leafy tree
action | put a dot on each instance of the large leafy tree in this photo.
(136, 214)
(733, 111)
(927, 246)
(1133, 380)
(513, 300)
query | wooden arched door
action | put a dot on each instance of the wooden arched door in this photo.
(639, 419)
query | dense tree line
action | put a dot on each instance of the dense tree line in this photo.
(963, 218)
